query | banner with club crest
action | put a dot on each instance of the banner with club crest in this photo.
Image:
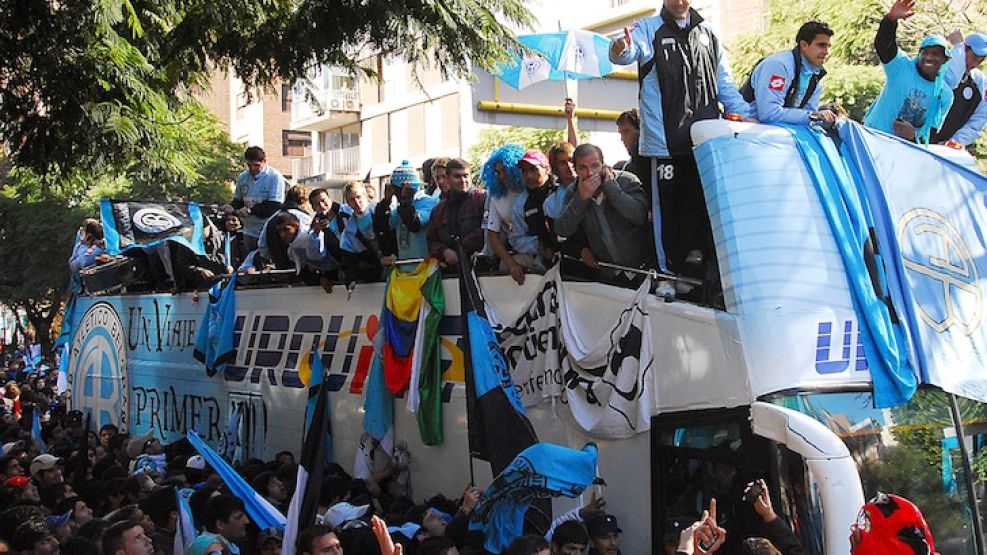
(606, 380)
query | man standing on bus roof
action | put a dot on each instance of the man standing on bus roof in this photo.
(683, 76)
(918, 93)
(785, 87)
(968, 115)
(258, 195)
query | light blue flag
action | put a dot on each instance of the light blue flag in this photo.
(214, 346)
(185, 532)
(930, 217)
(260, 510)
(541, 471)
(62, 382)
(558, 56)
(229, 447)
(36, 429)
(851, 221)
(378, 403)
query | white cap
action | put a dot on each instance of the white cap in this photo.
(196, 462)
(343, 512)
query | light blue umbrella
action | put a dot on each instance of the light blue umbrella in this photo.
(558, 56)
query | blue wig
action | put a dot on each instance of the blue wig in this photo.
(509, 156)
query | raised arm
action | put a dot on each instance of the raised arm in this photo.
(886, 43)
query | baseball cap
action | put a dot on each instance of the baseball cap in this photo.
(44, 462)
(343, 512)
(196, 462)
(601, 525)
(535, 158)
(978, 43)
(18, 481)
(405, 174)
(8, 447)
(136, 445)
(936, 39)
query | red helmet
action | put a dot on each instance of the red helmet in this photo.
(892, 525)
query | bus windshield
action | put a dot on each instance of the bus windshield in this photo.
(913, 451)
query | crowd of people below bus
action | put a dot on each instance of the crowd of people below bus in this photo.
(531, 210)
(64, 489)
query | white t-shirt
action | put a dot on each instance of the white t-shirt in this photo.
(499, 213)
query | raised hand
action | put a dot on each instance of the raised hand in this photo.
(902, 9)
(570, 108)
(709, 536)
(596, 504)
(618, 46)
(384, 540)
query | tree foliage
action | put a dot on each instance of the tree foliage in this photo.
(101, 83)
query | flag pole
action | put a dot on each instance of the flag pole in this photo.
(467, 352)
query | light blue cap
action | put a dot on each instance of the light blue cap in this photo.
(936, 40)
(978, 43)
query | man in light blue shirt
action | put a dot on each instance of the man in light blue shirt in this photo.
(786, 86)
(258, 195)
(919, 91)
(967, 117)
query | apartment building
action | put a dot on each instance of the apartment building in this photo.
(263, 119)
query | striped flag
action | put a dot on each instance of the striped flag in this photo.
(260, 510)
(497, 424)
(315, 451)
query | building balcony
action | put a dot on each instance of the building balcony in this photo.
(338, 164)
(322, 109)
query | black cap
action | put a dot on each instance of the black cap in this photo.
(602, 525)
(673, 528)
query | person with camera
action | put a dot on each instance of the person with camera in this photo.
(774, 529)
(325, 235)
(414, 210)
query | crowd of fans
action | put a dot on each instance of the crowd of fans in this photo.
(65, 489)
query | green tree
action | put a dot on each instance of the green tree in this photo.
(36, 238)
(38, 223)
(102, 83)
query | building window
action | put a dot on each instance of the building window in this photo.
(285, 98)
(295, 143)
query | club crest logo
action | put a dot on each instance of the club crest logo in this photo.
(98, 366)
(942, 272)
(777, 83)
(155, 220)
